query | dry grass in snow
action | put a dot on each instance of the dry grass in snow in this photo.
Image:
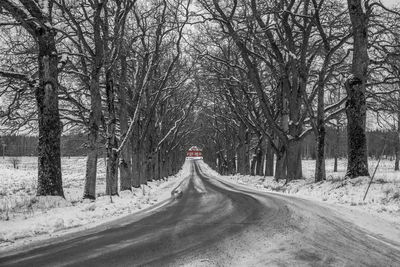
(22, 214)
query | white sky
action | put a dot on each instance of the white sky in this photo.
(390, 3)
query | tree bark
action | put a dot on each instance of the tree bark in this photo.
(337, 143)
(260, 159)
(50, 128)
(320, 174)
(269, 160)
(95, 112)
(231, 161)
(125, 162)
(247, 152)
(356, 120)
(220, 165)
(397, 149)
(163, 164)
(112, 144)
(91, 167)
(135, 179)
(280, 164)
(150, 156)
(241, 150)
(356, 87)
(136, 165)
(142, 161)
(158, 165)
(253, 165)
(294, 169)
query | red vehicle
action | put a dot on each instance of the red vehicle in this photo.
(194, 152)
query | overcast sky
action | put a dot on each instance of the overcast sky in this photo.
(390, 3)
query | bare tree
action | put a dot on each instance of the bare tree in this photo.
(37, 21)
(356, 108)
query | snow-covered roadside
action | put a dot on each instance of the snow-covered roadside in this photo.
(47, 215)
(379, 213)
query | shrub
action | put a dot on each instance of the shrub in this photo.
(15, 162)
(396, 195)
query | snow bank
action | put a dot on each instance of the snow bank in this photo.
(383, 197)
(24, 215)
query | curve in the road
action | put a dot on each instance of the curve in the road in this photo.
(219, 224)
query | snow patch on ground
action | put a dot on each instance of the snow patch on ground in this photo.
(383, 197)
(379, 214)
(23, 215)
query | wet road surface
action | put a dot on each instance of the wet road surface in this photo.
(215, 223)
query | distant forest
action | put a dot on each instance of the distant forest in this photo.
(22, 145)
(336, 142)
(75, 145)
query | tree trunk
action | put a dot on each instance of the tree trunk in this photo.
(95, 111)
(151, 143)
(162, 167)
(50, 128)
(124, 168)
(294, 170)
(92, 155)
(158, 165)
(269, 160)
(247, 152)
(320, 174)
(260, 159)
(142, 162)
(149, 168)
(281, 163)
(163, 164)
(147, 163)
(280, 166)
(356, 120)
(241, 151)
(91, 168)
(355, 87)
(170, 164)
(112, 145)
(174, 163)
(220, 164)
(125, 163)
(231, 160)
(397, 149)
(253, 165)
(336, 149)
(135, 180)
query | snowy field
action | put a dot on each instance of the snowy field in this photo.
(24, 216)
(383, 197)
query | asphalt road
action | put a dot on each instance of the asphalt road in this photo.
(218, 224)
